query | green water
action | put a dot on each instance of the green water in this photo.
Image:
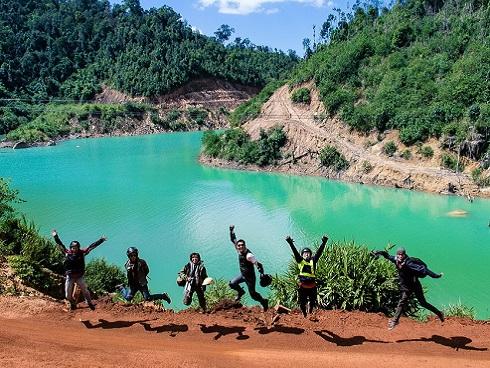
(150, 192)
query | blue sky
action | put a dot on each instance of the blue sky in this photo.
(281, 24)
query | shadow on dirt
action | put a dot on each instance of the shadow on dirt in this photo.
(221, 331)
(106, 325)
(454, 342)
(345, 341)
(171, 328)
(280, 329)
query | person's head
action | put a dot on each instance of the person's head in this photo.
(195, 258)
(132, 254)
(241, 246)
(306, 254)
(75, 246)
(401, 254)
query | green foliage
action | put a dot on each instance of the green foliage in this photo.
(451, 162)
(459, 310)
(331, 158)
(480, 178)
(216, 293)
(367, 167)
(32, 274)
(7, 198)
(417, 68)
(197, 116)
(406, 154)
(103, 277)
(389, 148)
(235, 145)
(349, 278)
(426, 151)
(251, 109)
(301, 95)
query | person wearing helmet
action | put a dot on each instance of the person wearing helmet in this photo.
(409, 271)
(192, 276)
(74, 265)
(246, 261)
(307, 286)
(137, 272)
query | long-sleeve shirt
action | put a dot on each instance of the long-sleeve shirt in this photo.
(246, 259)
(74, 263)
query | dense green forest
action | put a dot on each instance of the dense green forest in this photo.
(422, 67)
(66, 49)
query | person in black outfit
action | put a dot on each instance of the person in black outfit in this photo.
(74, 265)
(194, 274)
(137, 271)
(247, 261)
(409, 271)
(307, 288)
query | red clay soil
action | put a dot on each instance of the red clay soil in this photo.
(38, 333)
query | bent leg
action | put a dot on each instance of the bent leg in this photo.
(419, 294)
(235, 285)
(84, 288)
(69, 283)
(402, 303)
(253, 293)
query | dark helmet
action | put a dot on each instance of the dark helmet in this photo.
(304, 250)
(132, 250)
(194, 255)
(265, 280)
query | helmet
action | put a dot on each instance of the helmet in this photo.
(132, 250)
(304, 250)
(265, 280)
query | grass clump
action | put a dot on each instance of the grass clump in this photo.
(330, 157)
(301, 95)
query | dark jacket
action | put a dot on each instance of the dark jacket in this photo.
(199, 273)
(246, 267)
(74, 262)
(137, 272)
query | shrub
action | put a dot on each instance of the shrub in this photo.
(216, 293)
(426, 151)
(301, 95)
(103, 277)
(480, 178)
(367, 167)
(33, 275)
(389, 148)
(196, 115)
(331, 158)
(450, 162)
(406, 154)
(459, 310)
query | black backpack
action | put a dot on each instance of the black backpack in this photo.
(419, 262)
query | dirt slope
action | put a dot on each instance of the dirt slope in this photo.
(309, 131)
(36, 333)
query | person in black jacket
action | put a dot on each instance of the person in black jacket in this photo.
(246, 261)
(409, 271)
(137, 272)
(192, 275)
(307, 288)
(74, 265)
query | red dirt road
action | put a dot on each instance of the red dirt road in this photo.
(40, 334)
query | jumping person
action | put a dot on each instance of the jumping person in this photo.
(307, 287)
(409, 271)
(246, 261)
(137, 271)
(74, 265)
(193, 274)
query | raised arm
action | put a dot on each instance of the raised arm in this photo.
(320, 250)
(232, 234)
(385, 254)
(95, 244)
(58, 241)
(296, 254)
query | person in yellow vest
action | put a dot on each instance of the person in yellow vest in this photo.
(307, 292)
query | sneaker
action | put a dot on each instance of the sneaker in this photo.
(91, 306)
(391, 324)
(166, 298)
(265, 304)
(119, 287)
(73, 306)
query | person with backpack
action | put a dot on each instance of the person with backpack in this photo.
(307, 285)
(191, 277)
(74, 265)
(409, 271)
(137, 272)
(246, 261)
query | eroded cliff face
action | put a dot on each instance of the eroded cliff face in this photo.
(309, 130)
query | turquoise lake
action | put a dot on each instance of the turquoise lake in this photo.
(151, 192)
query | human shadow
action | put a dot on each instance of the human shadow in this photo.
(454, 342)
(345, 341)
(280, 329)
(171, 328)
(221, 331)
(104, 324)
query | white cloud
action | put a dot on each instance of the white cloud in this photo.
(244, 7)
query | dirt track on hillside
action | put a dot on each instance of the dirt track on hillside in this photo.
(40, 334)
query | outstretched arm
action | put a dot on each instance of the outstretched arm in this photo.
(232, 234)
(95, 244)
(385, 254)
(296, 254)
(320, 250)
(58, 241)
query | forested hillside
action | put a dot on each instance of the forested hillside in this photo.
(68, 48)
(422, 67)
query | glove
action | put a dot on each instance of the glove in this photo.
(260, 267)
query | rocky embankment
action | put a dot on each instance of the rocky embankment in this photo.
(309, 130)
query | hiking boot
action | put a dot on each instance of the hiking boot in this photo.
(91, 306)
(265, 304)
(392, 324)
(239, 296)
(73, 306)
(166, 298)
(441, 316)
